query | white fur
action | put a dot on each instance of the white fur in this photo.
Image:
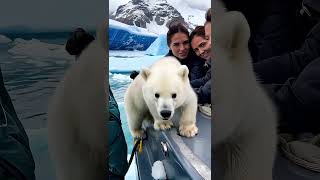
(244, 122)
(166, 76)
(77, 116)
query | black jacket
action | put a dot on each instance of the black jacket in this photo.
(202, 86)
(272, 24)
(195, 65)
(204, 93)
(293, 81)
(278, 69)
(196, 83)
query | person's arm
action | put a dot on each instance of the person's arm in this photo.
(298, 98)
(196, 71)
(196, 83)
(204, 93)
(279, 69)
(275, 70)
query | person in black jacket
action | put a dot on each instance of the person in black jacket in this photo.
(293, 80)
(178, 41)
(202, 85)
(199, 43)
(202, 48)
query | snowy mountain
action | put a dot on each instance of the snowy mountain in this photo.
(155, 15)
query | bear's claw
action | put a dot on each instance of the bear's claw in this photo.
(137, 133)
(188, 131)
(162, 125)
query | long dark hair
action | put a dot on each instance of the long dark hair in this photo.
(198, 31)
(176, 27)
(208, 15)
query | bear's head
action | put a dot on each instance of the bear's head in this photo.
(231, 57)
(165, 89)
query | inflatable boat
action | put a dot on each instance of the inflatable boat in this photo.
(182, 158)
(190, 158)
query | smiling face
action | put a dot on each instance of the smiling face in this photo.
(179, 45)
(199, 46)
(207, 28)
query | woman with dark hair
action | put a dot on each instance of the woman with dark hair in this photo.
(199, 43)
(178, 41)
(201, 46)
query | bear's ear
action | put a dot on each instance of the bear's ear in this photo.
(183, 72)
(145, 73)
(231, 31)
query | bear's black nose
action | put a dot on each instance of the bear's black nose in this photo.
(165, 114)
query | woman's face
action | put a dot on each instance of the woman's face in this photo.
(180, 45)
(200, 47)
(207, 29)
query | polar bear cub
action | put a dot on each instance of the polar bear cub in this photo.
(156, 93)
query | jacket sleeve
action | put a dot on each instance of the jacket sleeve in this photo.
(196, 83)
(298, 99)
(204, 93)
(196, 71)
(278, 69)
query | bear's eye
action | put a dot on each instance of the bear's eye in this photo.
(157, 95)
(174, 95)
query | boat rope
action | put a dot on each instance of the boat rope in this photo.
(137, 142)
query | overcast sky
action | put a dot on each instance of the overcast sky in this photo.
(52, 14)
(65, 14)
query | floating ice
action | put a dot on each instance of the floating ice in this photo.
(127, 61)
(4, 39)
(158, 171)
(34, 48)
(158, 47)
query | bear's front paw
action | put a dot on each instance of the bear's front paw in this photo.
(188, 131)
(162, 125)
(137, 133)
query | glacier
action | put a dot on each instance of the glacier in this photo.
(126, 37)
